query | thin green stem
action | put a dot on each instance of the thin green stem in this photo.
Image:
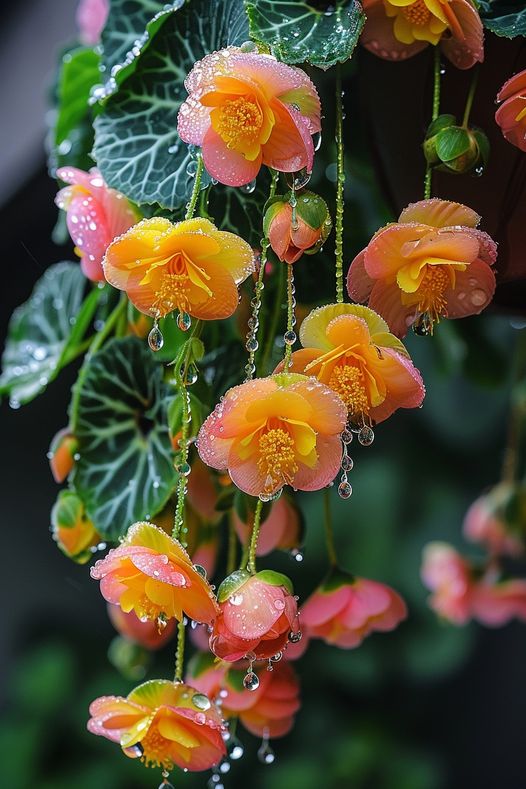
(434, 114)
(290, 317)
(190, 208)
(252, 344)
(329, 532)
(471, 96)
(340, 184)
(274, 320)
(179, 654)
(97, 342)
(256, 526)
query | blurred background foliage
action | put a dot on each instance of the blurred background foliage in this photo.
(429, 706)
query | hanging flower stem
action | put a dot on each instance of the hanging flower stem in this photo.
(95, 345)
(274, 320)
(252, 341)
(190, 208)
(340, 184)
(179, 654)
(329, 532)
(471, 96)
(231, 548)
(256, 526)
(290, 336)
(434, 114)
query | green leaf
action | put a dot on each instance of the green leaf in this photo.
(125, 472)
(504, 18)
(137, 147)
(241, 211)
(80, 71)
(452, 142)
(297, 32)
(39, 333)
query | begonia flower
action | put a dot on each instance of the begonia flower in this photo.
(257, 613)
(190, 266)
(290, 235)
(91, 18)
(399, 29)
(498, 519)
(511, 115)
(61, 454)
(350, 349)
(162, 723)
(71, 528)
(95, 215)
(275, 431)
(151, 574)
(345, 609)
(431, 264)
(246, 109)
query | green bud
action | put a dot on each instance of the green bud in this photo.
(455, 149)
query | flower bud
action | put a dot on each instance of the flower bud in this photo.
(72, 530)
(455, 149)
(291, 235)
(62, 454)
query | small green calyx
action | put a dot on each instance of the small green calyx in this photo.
(335, 579)
(275, 579)
(455, 149)
(231, 584)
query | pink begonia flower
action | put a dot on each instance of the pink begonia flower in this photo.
(281, 529)
(146, 633)
(95, 215)
(268, 710)
(487, 522)
(511, 115)
(399, 29)
(431, 264)
(461, 593)
(344, 610)
(257, 615)
(91, 18)
(244, 110)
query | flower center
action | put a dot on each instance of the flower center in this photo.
(417, 13)
(431, 291)
(156, 749)
(277, 458)
(240, 121)
(172, 292)
(348, 382)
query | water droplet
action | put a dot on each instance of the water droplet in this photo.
(423, 325)
(184, 321)
(134, 751)
(316, 140)
(249, 188)
(366, 436)
(155, 338)
(297, 555)
(347, 463)
(265, 753)
(224, 767)
(235, 748)
(190, 374)
(344, 490)
(252, 345)
(290, 337)
(191, 167)
(478, 297)
(236, 599)
(202, 572)
(346, 436)
(201, 701)
(295, 636)
(251, 681)
(183, 469)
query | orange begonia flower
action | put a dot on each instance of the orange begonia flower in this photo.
(162, 723)
(246, 109)
(267, 710)
(399, 29)
(433, 263)
(191, 266)
(511, 115)
(349, 348)
(62, 453)
(276, 431)
(151, 573)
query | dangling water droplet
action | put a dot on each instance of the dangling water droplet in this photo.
(134, 751)
(162, 622)
(289, 337)
(299, 179)
(277, 657)
(423, 325)
(347, 463)
(155, 338)
(184, 321)
(297, 555)
(249, 188)
(191, 167)
(235, 748)
(366, 436)
(224, 767)
(316, 140)
(295, 636)
(251, 681)
(346, 436)
(215, 782)
(201, 701)
(236, 599)
(165, 784)
(190, 374)
(202, 572)
(344, 490)
(183, 469)
(265, 753)
(252, 345)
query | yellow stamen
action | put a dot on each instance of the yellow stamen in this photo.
(277, 457)
(172, 293)
(240, 121)
(431, 292)
(349, 383)
(417, 13)
(156, 749)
